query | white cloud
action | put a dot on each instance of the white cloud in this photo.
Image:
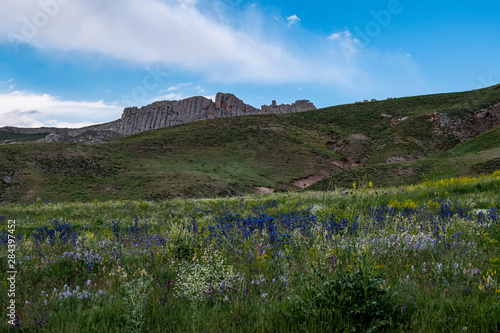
(293, 20)
(169, 97)
(66, 124)
(181, 91)
(177, 87)
(345, 35)
(26, 109)
(5, 82)
(349, 46)
(174, 33)
(334, 36)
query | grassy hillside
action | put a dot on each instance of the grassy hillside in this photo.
(486, 141)
(398, 259)
(232, 156)
(479, 155)
(7, 137)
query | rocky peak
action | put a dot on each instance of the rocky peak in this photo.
(233, 105)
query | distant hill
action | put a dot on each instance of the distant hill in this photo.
(154, 116)
(398, 141)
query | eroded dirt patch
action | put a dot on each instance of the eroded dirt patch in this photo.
(264, 190)
(312, 179)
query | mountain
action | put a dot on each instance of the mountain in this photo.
(393, 142)
(154, 116)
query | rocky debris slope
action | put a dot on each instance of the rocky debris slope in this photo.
(466, 128)
(158, 115)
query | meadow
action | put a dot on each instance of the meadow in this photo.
(418, 258)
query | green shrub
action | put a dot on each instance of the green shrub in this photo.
(351, 301)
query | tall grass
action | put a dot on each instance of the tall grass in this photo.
(420, 258)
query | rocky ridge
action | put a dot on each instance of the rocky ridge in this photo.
(157, 115)
(170, 113)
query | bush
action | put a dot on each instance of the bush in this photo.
(356, 301)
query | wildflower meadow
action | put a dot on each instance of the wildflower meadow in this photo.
(419, 258)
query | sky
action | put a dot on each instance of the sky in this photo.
(73, 63)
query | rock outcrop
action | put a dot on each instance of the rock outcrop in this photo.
(231, 105)
(298, 106)
(169, 113)
(165, 113)
(158, 115)
(466, 128)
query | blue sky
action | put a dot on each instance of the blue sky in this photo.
(70, 63)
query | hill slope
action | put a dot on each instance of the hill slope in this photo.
(387, 142)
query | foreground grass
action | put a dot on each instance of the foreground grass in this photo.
(418, 259)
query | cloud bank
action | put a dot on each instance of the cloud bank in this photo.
(26, 109)
(175, 33)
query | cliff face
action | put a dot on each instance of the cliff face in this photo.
(158, 115)
(230, 105)
(169, 113)
(165, 113)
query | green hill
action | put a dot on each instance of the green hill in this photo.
(229, 156)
